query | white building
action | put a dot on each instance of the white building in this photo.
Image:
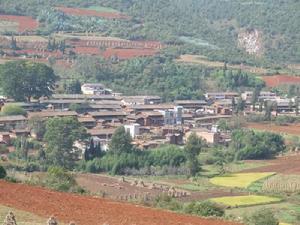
(94, 89)
(133, 129)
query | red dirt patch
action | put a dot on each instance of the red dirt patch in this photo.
(88, 12)
(285, 165)
(293, 129)
(26, 23)
(274, 81)
(88, 210)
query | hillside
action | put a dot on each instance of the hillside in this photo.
(256, 32)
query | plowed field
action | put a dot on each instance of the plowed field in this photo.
(293, 129)
(89, 12)
(88, 210)
(284, 165)
(274, 81)
(25, 23)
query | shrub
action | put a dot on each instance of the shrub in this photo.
(58, 179)
(262, 217)
(205, 209)
(2, 172)
(167, 202)
(11, 110)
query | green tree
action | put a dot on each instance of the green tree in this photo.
(262, 217)
(2, 172)
(74, 87)
(12, 110)
(120, 142)
(193, 148)
(23, 80)
(38, 126)
(255, 96)
(60, 136)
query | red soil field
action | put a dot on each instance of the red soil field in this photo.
(274, 81)
(26, 23)
(84, 210)
(293, 129)
(128, 53)
(87, 50)
(285, 165)
(88, 12)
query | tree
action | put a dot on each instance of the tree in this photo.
(262, 217)
(255, 96)
(92, 151)
(74, 87)
(13, 43)
(38, 126)
(23, 80)
(61, 135)
(2, 172)
(297, 105)
(12, 110)
(120, 142)
(193, 148)
(248, 144)
(240, 106)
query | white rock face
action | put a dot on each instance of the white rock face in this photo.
(250, 40)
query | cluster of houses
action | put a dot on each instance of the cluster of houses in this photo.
(149, 121)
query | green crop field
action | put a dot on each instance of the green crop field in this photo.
(239, 180)
(245, 200)
(102, 9)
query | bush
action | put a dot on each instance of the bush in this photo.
(205, 209)
(12, 110)
(262, 217)
(60, 180)
(167, 202)
(2, 172)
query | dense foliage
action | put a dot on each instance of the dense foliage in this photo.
(248, 144)
(12, 110)
(205, 209)
(23, 80)
(61, 135)
(2, 172)
(262, 217)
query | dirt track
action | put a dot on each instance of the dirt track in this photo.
(88, 210)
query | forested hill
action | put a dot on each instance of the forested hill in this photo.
(269, 30)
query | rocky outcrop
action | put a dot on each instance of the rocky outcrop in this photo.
(251, 41)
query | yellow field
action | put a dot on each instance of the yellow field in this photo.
(245, 200)
(239, 180)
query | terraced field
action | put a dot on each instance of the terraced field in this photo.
(239, 180)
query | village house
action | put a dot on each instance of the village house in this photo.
(5, 138)
(221, 95)
(87, 121)
(209, 136)
(141, 100)
(191, 104)
(94, 89)
(12, 122)
(93, 98)
(145, 108)
(51, 114)
(152, 118)
(109, 116)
